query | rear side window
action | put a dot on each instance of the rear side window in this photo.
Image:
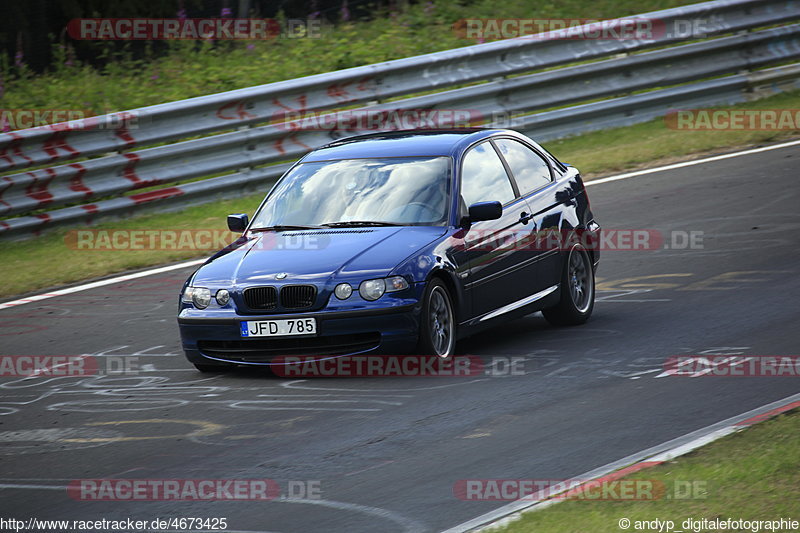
(483, 177)
(530, 170)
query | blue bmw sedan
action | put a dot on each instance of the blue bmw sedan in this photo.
(396, 243)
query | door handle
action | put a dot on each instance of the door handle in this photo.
(525, 217)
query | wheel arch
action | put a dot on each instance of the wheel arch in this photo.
(449, 280)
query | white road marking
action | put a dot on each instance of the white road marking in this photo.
(195, 262)
(684, 164)
(662, 452)
(100, 283)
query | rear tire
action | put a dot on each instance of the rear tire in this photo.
(437, 331)
(577, 290)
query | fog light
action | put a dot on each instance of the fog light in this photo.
(343, 291)
(223, 297)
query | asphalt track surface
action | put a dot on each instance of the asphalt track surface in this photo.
(386, 453)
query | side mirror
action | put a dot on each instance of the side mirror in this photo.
(485, 211)
(237, 223)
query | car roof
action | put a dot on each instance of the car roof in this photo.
(405, 143)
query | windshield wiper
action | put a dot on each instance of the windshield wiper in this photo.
(283, 228)
(357, 223)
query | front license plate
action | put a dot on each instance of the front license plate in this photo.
(279, 328)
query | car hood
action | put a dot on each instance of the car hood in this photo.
(314, 255)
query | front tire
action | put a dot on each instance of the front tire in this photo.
(437, 335)
(577, 290)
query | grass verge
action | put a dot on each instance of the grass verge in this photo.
(752, 475)
(49, 260)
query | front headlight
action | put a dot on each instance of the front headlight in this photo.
(372, 289)
(201, 297)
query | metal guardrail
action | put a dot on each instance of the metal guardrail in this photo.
(629, 110)
(77, 167)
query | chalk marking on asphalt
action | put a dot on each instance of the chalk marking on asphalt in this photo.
(629, 375)
(292, 399)
(649, 457)
(344, 395)
(635, 301)
(109, 352)
(384, 463)
(623, 292)
(195, 262)
(45, 369)
(152, 392)
(52, 440)
(252, 406)
(409, 525)
(106, 406)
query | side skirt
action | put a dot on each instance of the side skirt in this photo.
(528, 300)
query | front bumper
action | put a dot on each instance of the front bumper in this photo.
(210, 338)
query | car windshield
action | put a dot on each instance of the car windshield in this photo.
(352, 192)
